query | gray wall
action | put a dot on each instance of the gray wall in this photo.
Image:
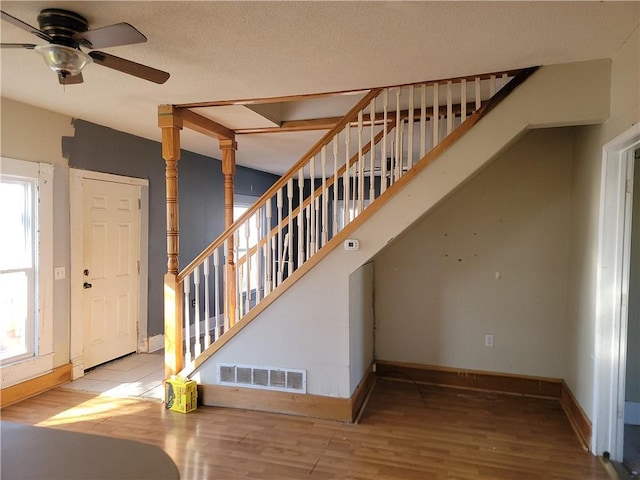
(200, 190)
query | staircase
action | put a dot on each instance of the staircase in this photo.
(373, 153)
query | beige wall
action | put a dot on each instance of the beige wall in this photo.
(360, 323)
(585, 205)
(34, 134)
(490, 259)
(305, 328)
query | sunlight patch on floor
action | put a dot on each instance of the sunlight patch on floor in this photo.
(97, 408)
(140, 375)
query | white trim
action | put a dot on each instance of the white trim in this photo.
(26, 369)
(143, 277)
(108, 177)
(76, 178)
(45, 263)
(156, 343)
(42, 362)
(151, 344)
(611, 294)
(244, 201)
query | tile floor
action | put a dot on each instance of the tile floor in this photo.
(632, 449)
(137, 375)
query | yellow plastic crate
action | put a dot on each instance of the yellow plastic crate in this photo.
(180, 394)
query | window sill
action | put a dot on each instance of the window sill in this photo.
(26, 369)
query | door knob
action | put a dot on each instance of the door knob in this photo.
(86, 285)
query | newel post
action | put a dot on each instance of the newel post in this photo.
(229, 147)
(171, 125)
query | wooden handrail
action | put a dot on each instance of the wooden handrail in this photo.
(522, 75)
(363, 103)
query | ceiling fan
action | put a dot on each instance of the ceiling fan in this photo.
(67, 32)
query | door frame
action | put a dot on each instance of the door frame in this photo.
(76, 178)
(612, 292)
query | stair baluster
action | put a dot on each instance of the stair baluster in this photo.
(266, 246)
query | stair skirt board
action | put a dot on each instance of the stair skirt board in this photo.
(494, 382)
(306, 405)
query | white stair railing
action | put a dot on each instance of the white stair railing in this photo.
(372, 147)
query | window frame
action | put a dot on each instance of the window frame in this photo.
(28, 264)
(41, 361)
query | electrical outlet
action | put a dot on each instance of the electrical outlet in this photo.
(488, 340)
(59, 273)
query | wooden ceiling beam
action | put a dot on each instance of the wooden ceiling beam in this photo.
(330, 122)
(204, 125)
(177, 117)
(294, 126)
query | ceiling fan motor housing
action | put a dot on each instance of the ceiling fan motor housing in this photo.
(62, 26)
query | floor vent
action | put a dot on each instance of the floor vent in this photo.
(267, 378)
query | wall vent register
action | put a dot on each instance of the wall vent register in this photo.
(266, 378)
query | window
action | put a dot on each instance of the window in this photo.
(241, 205)
(17, 268)
(26, 194)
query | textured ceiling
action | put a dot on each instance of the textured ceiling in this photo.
(230, 50)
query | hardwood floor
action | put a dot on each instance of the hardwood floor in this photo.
(407, 432)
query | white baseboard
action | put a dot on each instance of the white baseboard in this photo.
(632, 413)
(143, 345)
(151, 344)
(156, 343)
(77, 370)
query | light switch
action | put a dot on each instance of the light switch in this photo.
(59, 273)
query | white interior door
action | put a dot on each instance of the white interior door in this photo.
(111, 238)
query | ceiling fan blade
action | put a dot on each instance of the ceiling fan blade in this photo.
(28, 46)
(70, 79)
(112, 36)
(129, 67)
(24, 26)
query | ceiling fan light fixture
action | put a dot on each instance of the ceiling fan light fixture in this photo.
(63, 60)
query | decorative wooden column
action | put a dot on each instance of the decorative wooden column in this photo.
(171, 125)
(229, 147)
(171, 155)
